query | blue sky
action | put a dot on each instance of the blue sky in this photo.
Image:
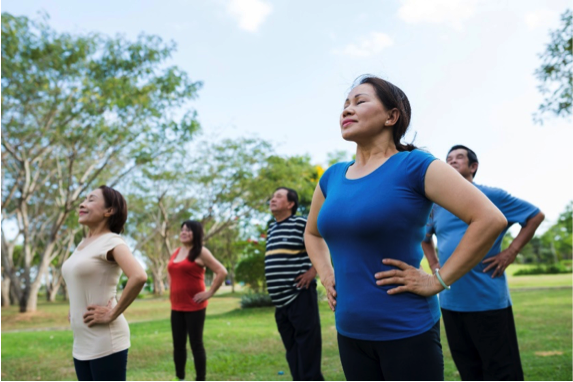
(280, 70)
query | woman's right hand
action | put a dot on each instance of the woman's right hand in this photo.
(328, 283)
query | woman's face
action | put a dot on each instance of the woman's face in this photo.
(186, 235)
(92, 209)
(364, 115)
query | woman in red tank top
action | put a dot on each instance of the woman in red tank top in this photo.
(188, 296)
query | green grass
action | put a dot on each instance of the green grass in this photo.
(245, 344)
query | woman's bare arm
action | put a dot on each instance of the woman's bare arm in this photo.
(318, 250)
(207, 259)
(446, 187)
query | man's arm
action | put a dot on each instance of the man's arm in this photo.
(502, 260)
(306, 278)
(430, 253)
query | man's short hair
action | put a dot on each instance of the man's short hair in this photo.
(472, 157)
(292, 196)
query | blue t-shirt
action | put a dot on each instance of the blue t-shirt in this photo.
(476, 291)
(381, 215)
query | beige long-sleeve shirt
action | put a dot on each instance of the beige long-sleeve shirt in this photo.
(92, 279)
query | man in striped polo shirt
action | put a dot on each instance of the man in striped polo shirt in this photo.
(292, 287)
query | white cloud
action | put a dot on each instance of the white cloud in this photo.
(451, 12)
(541, 18)
(250, 14)
(367, 46)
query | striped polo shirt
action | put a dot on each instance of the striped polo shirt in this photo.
(285, 259)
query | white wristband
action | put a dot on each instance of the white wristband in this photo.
(440, 279)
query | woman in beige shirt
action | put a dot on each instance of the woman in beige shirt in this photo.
(101, 333)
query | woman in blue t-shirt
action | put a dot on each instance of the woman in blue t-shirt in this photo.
(370, 215)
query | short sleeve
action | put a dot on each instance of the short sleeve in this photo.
(417, 165)
(514, 209)
(110, 243)
(323, 182)
(430, 230)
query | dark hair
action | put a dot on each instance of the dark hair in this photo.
(197, 229)
(392, 97)
(292, 196)
(472, 157)
(113, 199)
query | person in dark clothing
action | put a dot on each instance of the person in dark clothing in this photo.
(292, 287)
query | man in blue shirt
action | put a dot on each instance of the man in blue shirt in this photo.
(477, 309)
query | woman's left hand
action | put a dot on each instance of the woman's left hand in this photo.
(202, 296)
(98, 314)
(412, 279)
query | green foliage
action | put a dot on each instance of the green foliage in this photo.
(506, 241)
(549, 269)
(556, 71)
(255, 300)
(294, 172)
(79, 111)
(251, 269)
(337, 156)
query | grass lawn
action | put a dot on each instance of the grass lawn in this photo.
(245, 345)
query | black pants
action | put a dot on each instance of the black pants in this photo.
(417, 358)
(109, 368)
(299, 327)
(183, 324)
(484, 344)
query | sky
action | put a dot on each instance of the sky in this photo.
(280, 70)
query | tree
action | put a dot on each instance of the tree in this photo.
(78, 111)
(556, 72)
(251, 269)
(153, 224)
(558, 238)
(337, 156)
(227, 248)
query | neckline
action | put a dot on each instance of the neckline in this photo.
(377, 169)
(180, 261)
(282, 221)
(95, 240)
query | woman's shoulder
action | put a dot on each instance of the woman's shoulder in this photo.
(419, 155)
(114, 239)
(335, 168)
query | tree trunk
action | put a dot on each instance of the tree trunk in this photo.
(158, 284)
(53, 293)
(53, 285)
(14, 296)
(6, 292)
(158, 287)
(232, 278)
(49, 286)
(65, 291)
(29, 300)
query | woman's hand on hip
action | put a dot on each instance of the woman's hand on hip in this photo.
(413, 280)
(202, 296)
(328, 283)
(98, 314)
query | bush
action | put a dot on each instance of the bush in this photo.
(544, 270)
(251, 271)
(255, 300)
(566, 263)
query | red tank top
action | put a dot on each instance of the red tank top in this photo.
(187, 279)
